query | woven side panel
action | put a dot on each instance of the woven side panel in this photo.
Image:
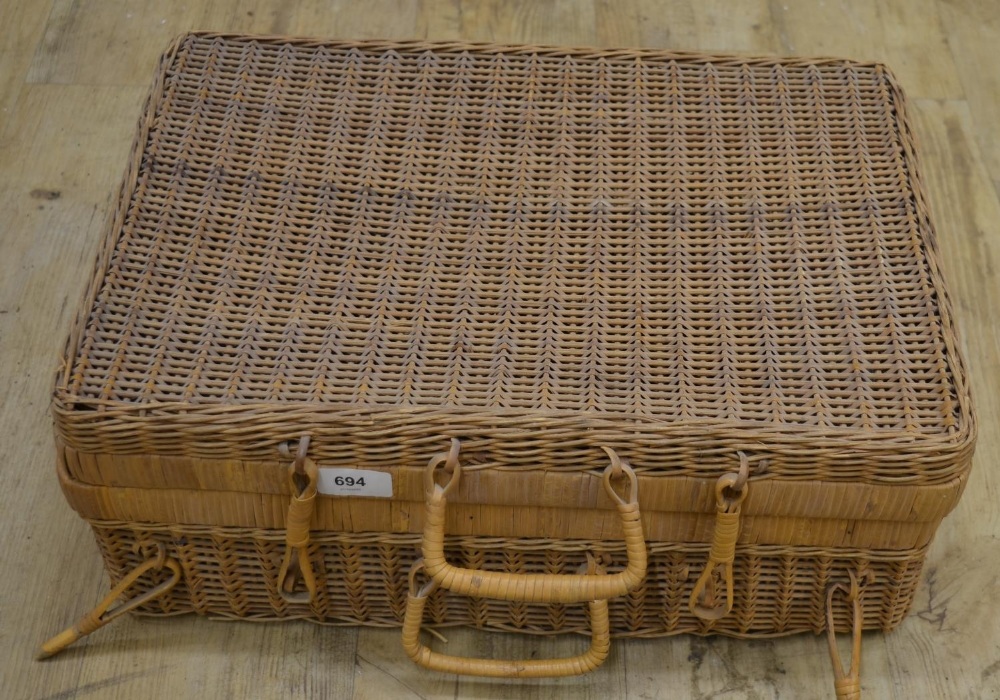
(269, 555)
(393, 577)
(320, 605)
(232, 572)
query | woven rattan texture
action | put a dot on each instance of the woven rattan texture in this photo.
(633, 237)
(232, 572)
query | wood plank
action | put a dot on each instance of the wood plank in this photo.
(973, 27)
(562, 22)
(707, 26)
(944, 649)
(65, 153)
(718, 667)
(384, 671)
(21, 27)
(105, 42)
(119, 42)
(234, 659)
(64, 149)
(907, 36)
(441, 20)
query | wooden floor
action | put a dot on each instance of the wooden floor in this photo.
(73, 74)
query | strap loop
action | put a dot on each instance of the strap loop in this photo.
(303, 477)
(615, 470)
(846, 684)
(103, 613)
(451, 465)
(730, 492)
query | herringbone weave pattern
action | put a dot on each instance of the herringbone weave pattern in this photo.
(438, 237)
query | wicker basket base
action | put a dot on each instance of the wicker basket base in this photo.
(232, 572)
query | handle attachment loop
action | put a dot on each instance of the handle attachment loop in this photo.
(847, 684)
(532, 588)
(730, 492)
(296, 566)
(104, 614)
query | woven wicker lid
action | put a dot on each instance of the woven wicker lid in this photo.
(538, 250)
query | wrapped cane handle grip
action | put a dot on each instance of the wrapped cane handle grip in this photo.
(600, 645)
(533, 588)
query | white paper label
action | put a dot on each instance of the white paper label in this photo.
(355, 482)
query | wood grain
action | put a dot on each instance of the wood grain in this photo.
(972, 27)
(21, 27)
(959, 581)
(71, 81)
(53, 216)
(528, 22)
(691, 26)
(908, 36)
(119, 42)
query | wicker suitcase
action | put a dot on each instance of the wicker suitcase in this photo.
(385, 333)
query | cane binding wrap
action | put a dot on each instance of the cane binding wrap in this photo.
(296, 565)
(536, 588)
(600, 643)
